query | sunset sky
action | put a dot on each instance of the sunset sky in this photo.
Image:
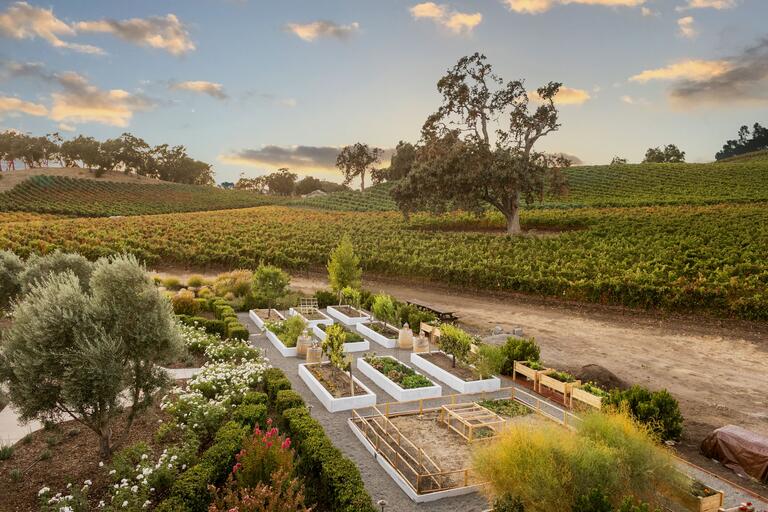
(252, 85)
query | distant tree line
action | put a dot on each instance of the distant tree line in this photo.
(126, 153)
(746, 143)
(283, 182)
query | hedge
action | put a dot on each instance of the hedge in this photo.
(287, 399)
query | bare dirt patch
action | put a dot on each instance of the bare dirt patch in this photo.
(74, 457)
(335, 381)
(445, 362)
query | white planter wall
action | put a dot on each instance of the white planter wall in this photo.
(336, 404)
(348, 320)
(462, 386)
(325, 320)
(392, 388)
(260, 321)
(378, 338)
(358, 346)
(285, 351)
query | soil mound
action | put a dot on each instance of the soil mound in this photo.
(601, 376)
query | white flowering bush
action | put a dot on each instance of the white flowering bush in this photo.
(195, 338)
(231, 350)
(74, 500)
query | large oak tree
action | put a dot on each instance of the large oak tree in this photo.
(478, 148)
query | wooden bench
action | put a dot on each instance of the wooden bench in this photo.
(441, 314)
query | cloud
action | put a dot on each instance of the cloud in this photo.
(301, 158)
(686, 28)
(455, 21)
(685, 70)
(540, 6)
(24, 21)
(11, 105)
(163, 32)
(322, 28)
(67, 127)
(567, 96)
(212, 89)
(647, 11)
(82, 102)
(631, 100)
(709, 4)
(743, 81)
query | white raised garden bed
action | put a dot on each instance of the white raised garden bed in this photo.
(460, 385)
(393, 388)
(382, 340)
(329, 401)
(358, 346)
(285, 351)
(336, 313)
(324, 320)
(254, 316)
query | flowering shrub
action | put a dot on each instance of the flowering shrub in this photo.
(261, 479)
(195, 338)
(76, 499)
(231, 350)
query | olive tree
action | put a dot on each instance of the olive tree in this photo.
(357, 160)
(455, 342)
(39, 267)
(333, 348)
(478, 148)
(72, 353)
(11, 268)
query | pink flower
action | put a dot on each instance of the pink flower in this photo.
(236, 468)
(286, 444)
(269, 421)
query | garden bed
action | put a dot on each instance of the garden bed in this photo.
(312, 317)
(333, 388)
(279, 345)
(586, 397)
(530, 371)
(259, 316)
(348, 315)
(703, 498)
(463, 378)
(394, 388)
(356, 344)
(560, 385)
(382, 333)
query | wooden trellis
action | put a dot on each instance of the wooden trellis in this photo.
(470, 419)
(307, 305)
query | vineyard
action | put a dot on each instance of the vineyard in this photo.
(706, 258)
(90, 198)
(741, 181)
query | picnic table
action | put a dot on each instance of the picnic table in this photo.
(441, 314)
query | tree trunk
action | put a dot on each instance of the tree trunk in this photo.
(362, 182)
(513, 222)
(351, 382)
(453, 360)
(105, 444)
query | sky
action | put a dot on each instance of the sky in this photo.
(250, 86)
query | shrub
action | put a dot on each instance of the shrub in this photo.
(11, 268)
(39, 267)
(384, 309)
(657, 409)
(325, 298)
(255, 397)
(455, 342)
(344, 267)
(237, 282)
(288, 330)
(275, 386)
(184, 303)
(6, 451)
(237, 332)
(195, 281)
(287, 399)
(413, 316)
(250, 414)
(350, 296)
(270, 283)
(508, 503)
(171, 283)
(550, 468)
(488, 360)
(518, 349)
(332, 480)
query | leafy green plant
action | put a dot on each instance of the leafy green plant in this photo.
(518, 349)
(561, 376)
(288, 330)
(396, 371)
(384, 309)
(6, 451)
(488, 360)
(344, 267)
(657, 409)
(455, 342)
(350, 296)
(270, 283)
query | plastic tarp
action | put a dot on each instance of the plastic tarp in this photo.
(738, 449)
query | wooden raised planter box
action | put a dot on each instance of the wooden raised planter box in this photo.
(357, 346)
(358, 316)
(365, 330)
(585, 397)
(564, 388)
(278, 344)
(256, 318)
(393, 388)
(331, 403)
(457, 383)
(705, 504)
(528, 372)
(322, 318)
